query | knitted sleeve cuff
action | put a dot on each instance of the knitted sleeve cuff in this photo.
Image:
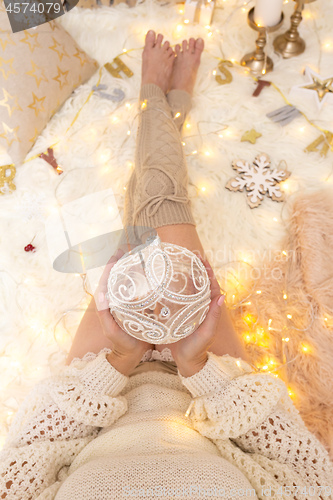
(217, 372)
(100, 376)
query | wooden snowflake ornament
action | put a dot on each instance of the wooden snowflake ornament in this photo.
(258, 179)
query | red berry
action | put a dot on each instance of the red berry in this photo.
(30, 248)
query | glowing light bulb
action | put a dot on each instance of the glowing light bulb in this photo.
(203, 189)
(128, 105)
(124, 50)
(275, 219)
(291, 392)
(286, 339)
(238, 363)
(177, 115)
(207, 153)
(285, 296)
(305, 348)
(265, 367)
(214, 72)
(284, 253)
(258, 292)
(210, 34)
(179, 27)
(114, 119)
(289, 316)
(183, 143)
(188, 125)
(302, 129)
(125, 188)
(143, 105)
(128, 132)
(194, 152)
(186, 21)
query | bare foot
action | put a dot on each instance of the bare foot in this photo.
(157, 61)
(186, 64)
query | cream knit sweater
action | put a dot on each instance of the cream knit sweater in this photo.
(92, 433)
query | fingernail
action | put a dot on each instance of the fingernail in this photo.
(221, 300)
(101, 297)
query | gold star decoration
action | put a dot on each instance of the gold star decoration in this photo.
(10, 70)
(36, 134)
(61, 77)
(5, 39)
(37, 104)
(80, 55)
(31, 40)
(321, 88)
(251, 136)
(6, 102)
(58, 49)
(10, 134)
(37, 73)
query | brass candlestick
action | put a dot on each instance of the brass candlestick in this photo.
(257, 61)
(290, 44)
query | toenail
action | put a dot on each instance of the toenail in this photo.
(150, 32)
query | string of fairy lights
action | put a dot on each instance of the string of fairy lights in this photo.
(257, 333)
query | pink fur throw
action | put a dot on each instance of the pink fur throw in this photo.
(299, 283)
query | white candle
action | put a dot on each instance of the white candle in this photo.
(206, 13)
(190, 10)
(267, 12)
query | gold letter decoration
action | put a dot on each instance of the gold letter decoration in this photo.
(7, 179)
(120, 67)
(328, 143)
(225, 72)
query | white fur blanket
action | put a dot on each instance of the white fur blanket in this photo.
(36, 327)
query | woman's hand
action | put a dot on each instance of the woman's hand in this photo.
(127, 351)
(190, 353)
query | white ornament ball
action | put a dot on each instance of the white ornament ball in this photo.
(159, 292)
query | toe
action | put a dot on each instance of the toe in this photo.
(199, 45)
(159, 40)
(184, 45)
(192, 45)
(177, 49)
(150, 39)
(166, 45)
(170, 52)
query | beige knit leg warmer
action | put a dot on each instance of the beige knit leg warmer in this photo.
(156, 194)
